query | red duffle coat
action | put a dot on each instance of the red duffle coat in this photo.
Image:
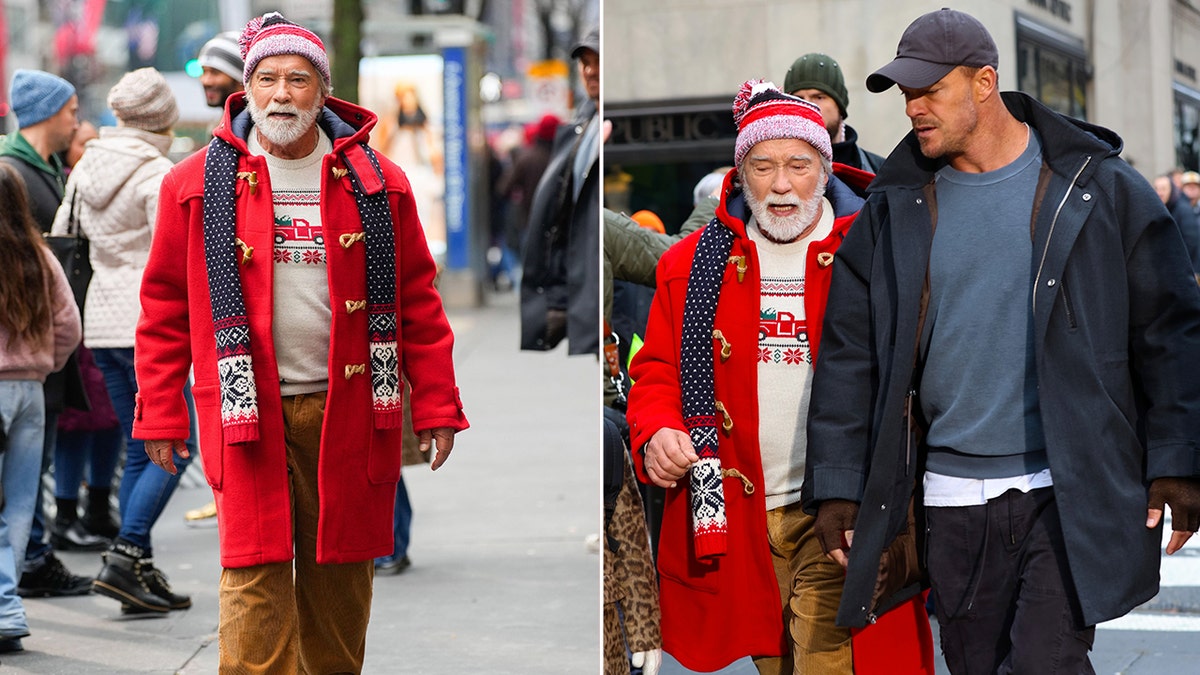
(359, 464)
(717, 610)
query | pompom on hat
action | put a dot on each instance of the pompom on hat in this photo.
(763, 113)
(142, 99)
(37, 96)
(273, 35)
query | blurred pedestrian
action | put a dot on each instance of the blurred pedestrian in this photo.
(221, 68)
(46, 107)
(1183, 215)
(88, 441)
(560, 283)
(116, 186)
(521, 178)
(293, 330)
(39, 328)
(1023, 362)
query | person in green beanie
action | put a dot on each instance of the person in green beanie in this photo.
(818, 79)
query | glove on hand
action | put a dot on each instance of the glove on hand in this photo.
(1182, 495)
(649, 661)
(834, 517)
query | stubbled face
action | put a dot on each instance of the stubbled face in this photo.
(589, 72)
(829, 108)
(784, 182)
(284, 98)
(217, 86)
(945, 115)
(63, 125)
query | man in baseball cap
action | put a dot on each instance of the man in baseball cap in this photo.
(1028, 355)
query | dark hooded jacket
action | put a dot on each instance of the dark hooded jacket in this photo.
(1116, 321)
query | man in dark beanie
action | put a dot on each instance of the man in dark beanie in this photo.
(1017, 336)
(303, 335)
(818, 79)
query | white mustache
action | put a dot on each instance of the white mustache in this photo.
(794, 201)
(285, 108)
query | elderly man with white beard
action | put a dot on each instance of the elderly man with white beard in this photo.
(718, 410)
(289, 264)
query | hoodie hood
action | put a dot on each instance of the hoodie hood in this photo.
(1064, 142)
(111, 160)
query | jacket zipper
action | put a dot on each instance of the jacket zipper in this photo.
(1068, 306)
(1045, 251)
(908, 428)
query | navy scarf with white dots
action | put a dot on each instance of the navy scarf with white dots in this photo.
(231, 325)
(698, 388)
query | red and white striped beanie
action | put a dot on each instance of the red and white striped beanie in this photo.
(762, 113)
(273, 35)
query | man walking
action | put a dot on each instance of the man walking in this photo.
(560, 287)
(1018, 328)
(289, 263)
(721, 388)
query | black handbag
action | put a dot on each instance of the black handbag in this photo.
(72, 250)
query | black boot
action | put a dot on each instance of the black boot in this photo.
(156, 581)
(68, 534)
(97, 514)
(122, 578)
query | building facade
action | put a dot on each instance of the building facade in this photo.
(671, 67)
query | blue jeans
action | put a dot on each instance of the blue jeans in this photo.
(23, 414)
(401, 523)
(145, 488)
(98, 450)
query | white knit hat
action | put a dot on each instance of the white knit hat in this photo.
(142, 99)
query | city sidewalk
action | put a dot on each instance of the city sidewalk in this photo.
(501, 581)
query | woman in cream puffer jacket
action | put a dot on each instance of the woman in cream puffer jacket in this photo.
(114, 191)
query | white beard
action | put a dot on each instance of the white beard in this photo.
(281, 132)
(786, 229)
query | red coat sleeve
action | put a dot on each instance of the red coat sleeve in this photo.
(426, 341)
(162, 348)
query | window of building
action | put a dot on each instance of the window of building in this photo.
(1052, 67)
(1187, 127)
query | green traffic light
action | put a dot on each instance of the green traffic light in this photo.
(193, 68)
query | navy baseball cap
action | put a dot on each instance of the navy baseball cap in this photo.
(932, 46)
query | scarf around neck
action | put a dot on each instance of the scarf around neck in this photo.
(709, 525)
(231, 325)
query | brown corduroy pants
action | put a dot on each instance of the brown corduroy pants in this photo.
(296, 617)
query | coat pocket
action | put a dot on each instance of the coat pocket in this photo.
(212, 434)
(384, 459)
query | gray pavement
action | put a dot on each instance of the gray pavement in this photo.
(501, 581)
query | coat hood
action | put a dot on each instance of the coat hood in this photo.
(112, 159)
(344, 122)
(1064, 139)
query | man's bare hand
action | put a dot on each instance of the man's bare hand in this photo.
(162, 453)
(444, 437)
(669, 455)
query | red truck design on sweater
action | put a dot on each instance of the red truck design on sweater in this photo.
(299, 229)
(772, 324)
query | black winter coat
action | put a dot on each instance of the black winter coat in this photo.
(561, 254)
(1116, 320)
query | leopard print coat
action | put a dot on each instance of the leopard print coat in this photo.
(630, 582)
